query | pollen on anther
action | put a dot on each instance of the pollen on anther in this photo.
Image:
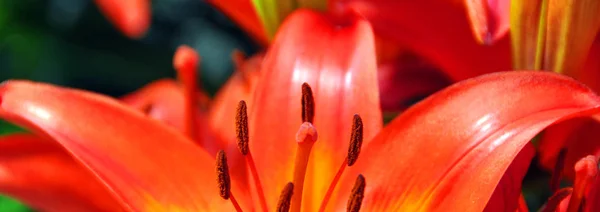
(283, 205)
(223, 179)
(357, 195)
(241, 127)
(308, 104)
(356, 139)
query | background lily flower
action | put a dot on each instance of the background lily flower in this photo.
(560, 36)
(449, 45)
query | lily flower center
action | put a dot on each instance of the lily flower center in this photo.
(290, 198)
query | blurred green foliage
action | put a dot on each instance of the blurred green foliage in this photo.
(6, 203)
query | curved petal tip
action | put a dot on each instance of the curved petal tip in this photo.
(131, 17)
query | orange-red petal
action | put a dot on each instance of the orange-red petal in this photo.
(162, 100)
(506, 196)
(41, 174)
(451, 150)
(131, 17)
(577, 136)
(146, 165)
(335, 56)
(437, 30)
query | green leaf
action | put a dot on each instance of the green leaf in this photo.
(6, 128)
(8, 204)
(273, 12)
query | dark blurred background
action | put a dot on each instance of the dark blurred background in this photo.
(70, 43)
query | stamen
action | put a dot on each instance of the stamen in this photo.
(223, 175)
(185, 63)
(224, 181)
(357, 195)
(283, 205)
(557, 172)
(555, 200)
(308, 104)
(356, 139)
(586, 170)
(241, 127)
(242, 136)
(306, 138)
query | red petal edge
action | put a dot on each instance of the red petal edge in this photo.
(42, 175)
(451, 150)
(145, 165)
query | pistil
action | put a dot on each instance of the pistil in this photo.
(306, 138)
(242, 136)
(224, 180)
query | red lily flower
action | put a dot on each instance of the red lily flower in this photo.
(478, 147)
(490, 151)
